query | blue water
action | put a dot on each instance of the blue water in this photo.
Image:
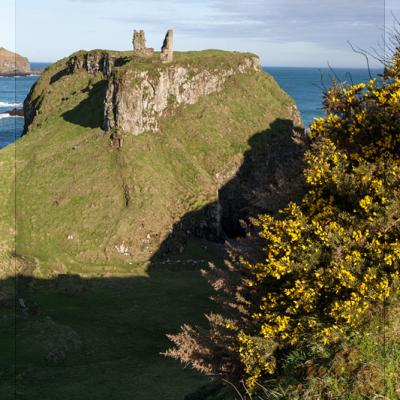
(12, 94)
(303, 84)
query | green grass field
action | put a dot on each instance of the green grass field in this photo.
(101, 337)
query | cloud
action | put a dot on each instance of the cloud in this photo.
(319, 27)
(331, 22)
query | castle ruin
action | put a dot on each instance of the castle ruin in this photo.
(167, 52)
(140, 49)
(139, 45)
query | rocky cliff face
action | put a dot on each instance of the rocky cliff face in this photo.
(92, 62)
(139, 93)
(136, 100)
(13, 64)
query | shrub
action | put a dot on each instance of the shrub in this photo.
(327, 262)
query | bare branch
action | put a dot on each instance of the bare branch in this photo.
(333, 72)
(361, 52)
(236, 389)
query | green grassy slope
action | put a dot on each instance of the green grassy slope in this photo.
(72, 183)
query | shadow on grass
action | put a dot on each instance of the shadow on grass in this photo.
(60, 74)
(101, 338)
(270, 176)
(89, 112)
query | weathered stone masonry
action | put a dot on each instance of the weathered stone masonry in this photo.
(139, 45)
(167, 52)
(140, 49)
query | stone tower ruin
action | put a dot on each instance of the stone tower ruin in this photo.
(139, 45)
(167, 52)
(140, 49)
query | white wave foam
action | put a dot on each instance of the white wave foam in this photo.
(7, 115)
(6, 104)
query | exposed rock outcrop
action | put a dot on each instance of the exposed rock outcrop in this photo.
(92, 62)
(30, 109)
(13, 64)
(136, 101)
(16, 112)
(140, 94)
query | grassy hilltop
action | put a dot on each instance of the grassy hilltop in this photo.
(73, 184)
(92, 319)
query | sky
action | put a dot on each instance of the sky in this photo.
(297, 33)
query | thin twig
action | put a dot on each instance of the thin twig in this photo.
(245, 388)
(322, 80)
(333, 72)
(363, 53)
(236, 389)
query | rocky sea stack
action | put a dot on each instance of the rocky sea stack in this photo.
(13, 64)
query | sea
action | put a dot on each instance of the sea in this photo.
(13, 91)
(305, 85)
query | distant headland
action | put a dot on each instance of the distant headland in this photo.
(14, 64)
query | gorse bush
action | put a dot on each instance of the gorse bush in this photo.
(328, 262)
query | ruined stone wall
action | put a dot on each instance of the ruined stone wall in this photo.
(167, 52)
(139, 45)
